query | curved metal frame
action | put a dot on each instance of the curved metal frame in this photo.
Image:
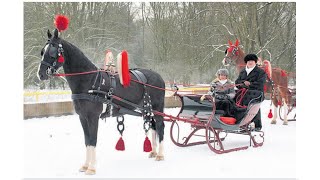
(289, 111)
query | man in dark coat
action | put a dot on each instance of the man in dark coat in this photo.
(253, 78)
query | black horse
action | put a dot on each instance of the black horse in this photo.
(60, 53)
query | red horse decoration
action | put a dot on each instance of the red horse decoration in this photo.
(279, 92)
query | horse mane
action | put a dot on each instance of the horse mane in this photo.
(82, 59)
(240, 60)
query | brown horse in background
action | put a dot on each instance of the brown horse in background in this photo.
(279, 91)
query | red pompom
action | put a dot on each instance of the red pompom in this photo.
(147, 145)
(120, 145)
(61, 22)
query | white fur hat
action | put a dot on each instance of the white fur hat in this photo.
(222, 72)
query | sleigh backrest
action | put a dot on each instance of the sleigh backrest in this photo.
(251, 112)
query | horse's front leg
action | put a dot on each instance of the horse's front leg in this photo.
(89, 166)
(85, 166)
(92, 165)
(90, 128)
(86, 133)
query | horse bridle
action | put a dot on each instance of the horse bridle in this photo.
(54, 53)
(233, 53)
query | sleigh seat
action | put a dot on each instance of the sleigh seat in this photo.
(193, 107)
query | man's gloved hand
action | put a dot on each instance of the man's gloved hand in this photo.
(247, 83)
(202, 97)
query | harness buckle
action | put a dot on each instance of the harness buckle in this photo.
(110, 92)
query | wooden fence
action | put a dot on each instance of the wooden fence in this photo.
(66, 108)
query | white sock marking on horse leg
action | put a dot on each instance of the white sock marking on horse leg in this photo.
(93, 160)
(275, 113)
(161, 149)
(274, 120)
(85, 166)
(154, 140)
(88, 157)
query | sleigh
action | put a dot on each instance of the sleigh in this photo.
(209, 126)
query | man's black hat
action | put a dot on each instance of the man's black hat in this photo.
(250, 57)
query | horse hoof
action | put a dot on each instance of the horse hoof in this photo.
(90, 172)
(83, 168)
(273, 122)
(159, 158)
(152, 154)
(285, 123)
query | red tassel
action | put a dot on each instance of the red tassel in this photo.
(147, 145)
(270, 114)
(120, 145)
(125, 69)
(283, 73)
(60, 59)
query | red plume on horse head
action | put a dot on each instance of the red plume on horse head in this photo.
(61, 22)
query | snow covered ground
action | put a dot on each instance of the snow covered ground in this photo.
(54, 148)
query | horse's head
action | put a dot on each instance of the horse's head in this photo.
(232, 53)
(52, 56)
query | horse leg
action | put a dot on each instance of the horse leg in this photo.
(275, 114)
(160, 155)
(92, 166)
(85, 128)
(284, 98)
(275, 108)
(93, 130)
(85, 166)
(153, 153)
(160, 133)
(90, 128)
(285, 108)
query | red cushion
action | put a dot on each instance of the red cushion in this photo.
(228, 120)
